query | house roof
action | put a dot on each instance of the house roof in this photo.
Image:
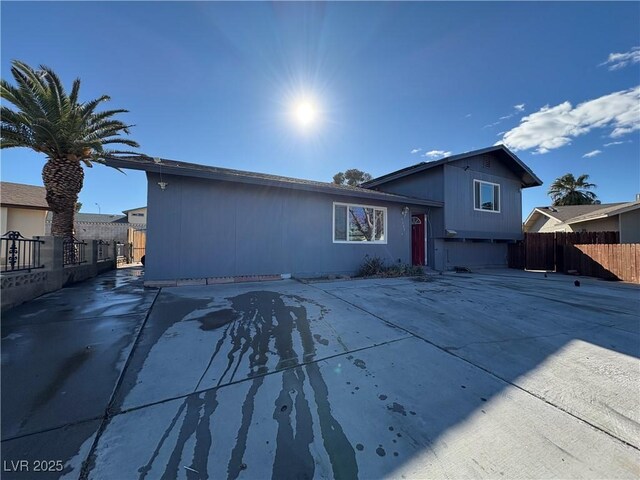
(173, 167)
(24, 196)
(609, 210)
(95, 218)
(133, 209)
(517, 166)
(569, 214)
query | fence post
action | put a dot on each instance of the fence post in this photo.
(51, 253)
(91, 252)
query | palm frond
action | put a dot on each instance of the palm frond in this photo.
(49, 120)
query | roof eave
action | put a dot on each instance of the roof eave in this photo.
(26, 207)
(189, 172)
(533, 182)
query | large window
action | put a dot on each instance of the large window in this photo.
(486, 196)
(359, 223)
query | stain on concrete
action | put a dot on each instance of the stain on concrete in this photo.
(256, 324)
(64, 372)
(380, 451)
(397, 408)
(359, 447)
(321, 340)
(217, 319)
(360, 363)
(382, 397)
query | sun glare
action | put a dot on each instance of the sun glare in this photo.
(305, 113)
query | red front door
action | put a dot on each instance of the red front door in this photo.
(417, 239)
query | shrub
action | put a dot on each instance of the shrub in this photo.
(371, 266)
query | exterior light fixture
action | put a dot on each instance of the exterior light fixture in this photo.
(163, 185)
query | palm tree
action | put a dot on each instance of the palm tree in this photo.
(68, 132)
(567, 190)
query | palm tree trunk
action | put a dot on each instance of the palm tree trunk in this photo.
(63, 180)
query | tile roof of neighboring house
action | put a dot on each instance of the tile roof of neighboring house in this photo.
(21, 195)
(95, 218)
(172, 167)
(569, 214)
(609, 210)
(517, 166)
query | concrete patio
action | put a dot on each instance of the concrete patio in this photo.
(484, 375)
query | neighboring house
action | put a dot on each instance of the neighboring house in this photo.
(24, 208)
(137, 215)
(215, 222)
(98, 226)
(606, 217)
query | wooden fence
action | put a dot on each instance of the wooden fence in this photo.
(610, 261)
(545, 251)
(138, 241)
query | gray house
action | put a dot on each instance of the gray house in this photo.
(209, 222)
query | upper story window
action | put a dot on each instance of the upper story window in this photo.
(486, 196)
(359, 223)
(137, 214)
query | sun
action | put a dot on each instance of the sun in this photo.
(305, 113)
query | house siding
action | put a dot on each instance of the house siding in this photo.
(205, 228)
(450, 254)
(630, 227)
(459, 213)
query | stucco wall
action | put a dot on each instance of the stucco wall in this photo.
(630, 227)
(609, 224)
(137, 216)
(545, 224)
(28, 222)
(200, 228)
(3, 220)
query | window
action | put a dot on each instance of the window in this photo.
(486, 196)
(359, 223)
(137, 214)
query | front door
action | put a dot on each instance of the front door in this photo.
(417, 239)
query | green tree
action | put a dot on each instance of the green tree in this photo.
(353, 177)
(78, 206)
(568, 190)
(68, 132)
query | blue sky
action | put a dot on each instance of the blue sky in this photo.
(215, 83)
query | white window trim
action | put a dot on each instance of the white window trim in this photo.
(499, 196)
(373, 242)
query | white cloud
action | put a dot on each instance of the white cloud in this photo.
(616, 61)
(518, 108)
(592, 154)
(415, 150)
(467, 115)
(436, 154)
(554, 127)
(614, 143)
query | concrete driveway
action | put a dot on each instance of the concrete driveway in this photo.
(486, 375)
